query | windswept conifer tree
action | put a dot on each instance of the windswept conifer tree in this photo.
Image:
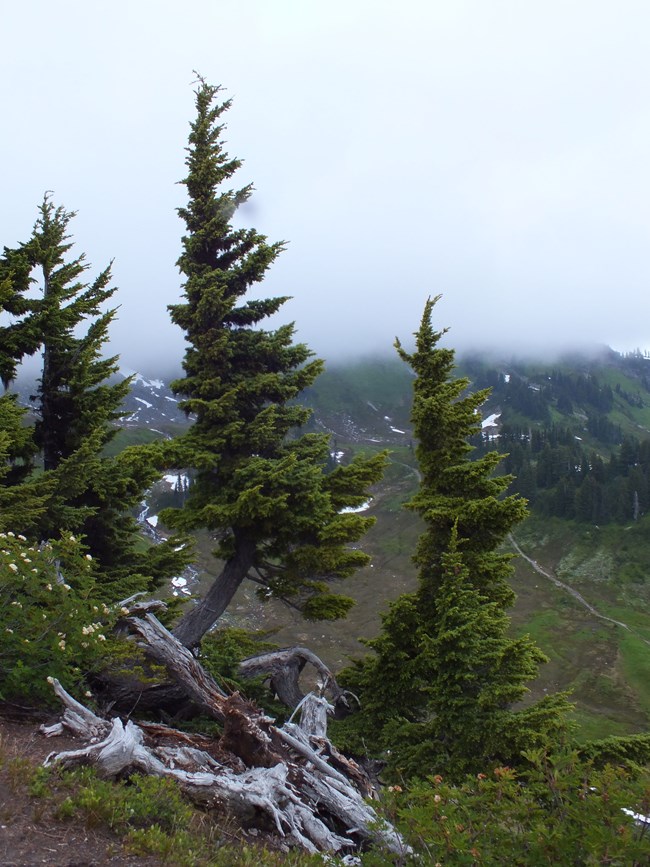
(77, 404)
(438, 689)
(259, 486)
(74, 395)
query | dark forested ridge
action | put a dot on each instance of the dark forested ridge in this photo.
(576, 430)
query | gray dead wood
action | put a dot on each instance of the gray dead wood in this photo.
(290, 779)
(282, 668)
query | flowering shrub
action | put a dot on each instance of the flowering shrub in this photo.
(52, 624)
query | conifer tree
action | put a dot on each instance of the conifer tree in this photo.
(74, 396)
(19, 336)
(439, 688)
(21, 502)
(259, 486)
(77, 405)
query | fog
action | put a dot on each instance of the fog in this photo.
(496, 153)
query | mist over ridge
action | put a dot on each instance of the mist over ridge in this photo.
(443, 153)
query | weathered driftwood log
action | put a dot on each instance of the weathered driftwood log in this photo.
(290, 779)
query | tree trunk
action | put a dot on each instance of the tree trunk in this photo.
(201, 617)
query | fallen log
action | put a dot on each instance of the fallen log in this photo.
(289, 779)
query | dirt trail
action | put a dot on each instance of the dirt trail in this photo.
(416, 472)
(570, 590)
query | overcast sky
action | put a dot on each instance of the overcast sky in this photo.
(494, 151)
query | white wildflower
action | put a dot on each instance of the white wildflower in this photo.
(21, 537)
(101, 637)
(48, 586)
(88, 557)
(13, 567)
(124, 610)
(66, 587)
(50, 679)
(12, 535)
(62, 644)
(88, 694)
(9, 630)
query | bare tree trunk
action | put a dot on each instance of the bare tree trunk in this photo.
(201, 617)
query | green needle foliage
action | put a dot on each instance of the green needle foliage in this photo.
(73, 395)
(18, 337)
(22, 501)
(77, 405)
(439, 688)
(259, 486)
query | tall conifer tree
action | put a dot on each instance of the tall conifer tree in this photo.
(74, 396)
(439, 688)
(77, 405)
(261, 488)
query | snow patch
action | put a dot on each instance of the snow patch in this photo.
(152, 520)
(397, 430)
(146, 403)
(172, 479)
(353, 509)
(638, 818)
(173, 399)
(491, 420)
(148, 383)
(506, 377)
